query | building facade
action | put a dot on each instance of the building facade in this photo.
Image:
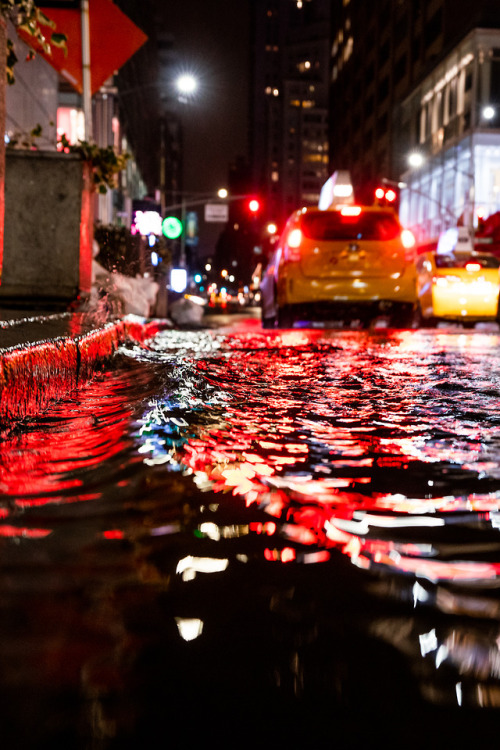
(289, 102)
(449, 131)
(381, 54)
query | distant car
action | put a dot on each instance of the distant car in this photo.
(347, 263)
(458, 286)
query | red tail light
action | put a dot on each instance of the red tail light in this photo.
(293, 242)
(409, 242)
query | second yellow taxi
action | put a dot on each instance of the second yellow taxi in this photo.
(458, 287)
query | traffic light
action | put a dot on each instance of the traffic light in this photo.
(385, 196)
(172, 227)
(253, 206)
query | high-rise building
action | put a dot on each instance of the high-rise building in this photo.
(403, 76)
(289, 105)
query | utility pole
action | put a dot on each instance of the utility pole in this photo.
(86, 76)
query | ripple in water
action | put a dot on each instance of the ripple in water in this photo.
(383, 447)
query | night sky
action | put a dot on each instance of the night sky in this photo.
(212, 40)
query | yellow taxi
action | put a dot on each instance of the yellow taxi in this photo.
(346, 264)
(457, 286)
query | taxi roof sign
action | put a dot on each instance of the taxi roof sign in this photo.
(337, 191)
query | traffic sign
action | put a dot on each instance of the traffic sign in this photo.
(217, 212)
(114, 38)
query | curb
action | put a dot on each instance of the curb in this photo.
(34, 375)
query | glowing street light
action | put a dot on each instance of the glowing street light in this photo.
(488, 112)
(416, 159)
(186, 84)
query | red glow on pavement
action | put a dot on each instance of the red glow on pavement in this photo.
(24, 532)
(314, 394)
(113, 534)
(44, 466)
(287, 554)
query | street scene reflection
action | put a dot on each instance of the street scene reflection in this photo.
(279, 531)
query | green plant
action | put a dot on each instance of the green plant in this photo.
(26, 17)
(127, 253)
(26, 140)
(106, 162)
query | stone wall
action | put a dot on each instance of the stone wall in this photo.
(48, 227)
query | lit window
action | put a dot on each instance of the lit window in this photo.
(348, 49)
(304, 65)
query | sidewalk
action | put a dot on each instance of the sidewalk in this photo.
(45, 356)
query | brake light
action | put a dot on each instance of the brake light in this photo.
(294, 240)
(408, 239)
(471, 267)
(350, 210)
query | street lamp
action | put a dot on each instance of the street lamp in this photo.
(186, 85)
(488, 112)
(416, 159)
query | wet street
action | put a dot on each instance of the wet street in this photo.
(255, 538)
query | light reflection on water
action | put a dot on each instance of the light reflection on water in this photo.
(383, 447)
(315, 514)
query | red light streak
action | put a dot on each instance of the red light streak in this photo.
(24, 532)
(113, 534)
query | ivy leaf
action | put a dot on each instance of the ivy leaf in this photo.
(43, 19)
(59, 40)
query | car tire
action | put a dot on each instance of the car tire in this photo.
(268, 322)
(285, 317)
(422, 322)
(403, 316)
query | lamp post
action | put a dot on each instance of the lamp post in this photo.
(187, 200)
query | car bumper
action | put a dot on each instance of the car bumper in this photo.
(296, 289)
(470, 304)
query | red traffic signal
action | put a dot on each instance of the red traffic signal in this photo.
(385, 195)
(253, 205)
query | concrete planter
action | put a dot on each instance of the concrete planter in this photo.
(48, 228)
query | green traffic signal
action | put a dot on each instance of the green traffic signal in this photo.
(172, 227)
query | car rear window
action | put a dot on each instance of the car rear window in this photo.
(449, 260)
(332, 225)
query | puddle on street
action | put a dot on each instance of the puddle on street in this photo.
(291, 536)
